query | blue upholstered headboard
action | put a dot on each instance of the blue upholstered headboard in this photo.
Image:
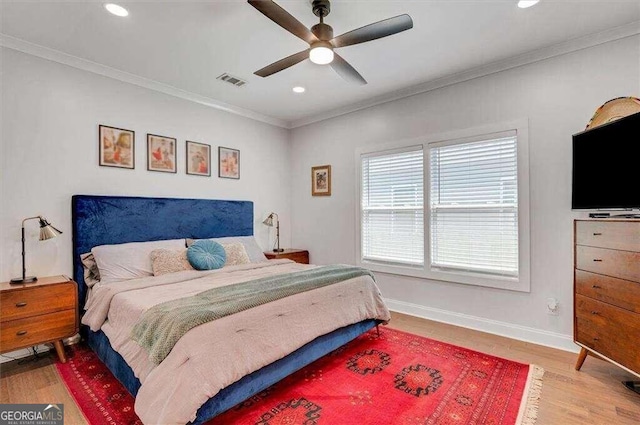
(103, 220)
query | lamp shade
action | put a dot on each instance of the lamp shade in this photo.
(47, 231)
(269, 220)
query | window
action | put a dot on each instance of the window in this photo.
(475, 227)
(392, 207)
(474, 206)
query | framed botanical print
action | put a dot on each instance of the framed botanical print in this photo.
(161, 153)
(321, 180)
(228, 163)
(117, 147)
(198, 159)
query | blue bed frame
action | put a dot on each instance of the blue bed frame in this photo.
(101, 220)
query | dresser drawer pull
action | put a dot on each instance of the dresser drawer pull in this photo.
(595, 312)
(597, 287)
(20, 333)
(597, 234)
(22, 304)
(598, 260)
(596, 339)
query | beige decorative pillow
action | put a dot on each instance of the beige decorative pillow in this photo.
(165, 261)
(236, 254)
(91, 272)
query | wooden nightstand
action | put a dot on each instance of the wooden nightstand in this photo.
(37, 313)
(297, 255)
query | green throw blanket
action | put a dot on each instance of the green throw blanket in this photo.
(160, 327)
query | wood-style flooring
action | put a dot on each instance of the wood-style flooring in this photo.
(593, 396)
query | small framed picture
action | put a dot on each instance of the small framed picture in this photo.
(321, 180)
(198, 159)
(117, 147)
(228, 163)
(161, 153)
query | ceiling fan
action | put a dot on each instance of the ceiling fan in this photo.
(321, 40)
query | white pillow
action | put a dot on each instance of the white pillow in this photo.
(129, 260)
(250, 245)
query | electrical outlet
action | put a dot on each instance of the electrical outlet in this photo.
(553, 306)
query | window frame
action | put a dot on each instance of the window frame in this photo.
(522, 282)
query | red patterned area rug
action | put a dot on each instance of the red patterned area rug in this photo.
(397, 378)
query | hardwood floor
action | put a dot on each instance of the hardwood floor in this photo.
(593, 396)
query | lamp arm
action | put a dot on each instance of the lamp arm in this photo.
(24, 267)
(31, 218)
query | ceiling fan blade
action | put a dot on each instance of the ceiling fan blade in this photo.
(346, 71)
(374, 31)
(281, 17)
(283, 64)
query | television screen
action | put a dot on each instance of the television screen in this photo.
(606, 166)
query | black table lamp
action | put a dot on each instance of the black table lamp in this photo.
(269, 222)
(47, 231)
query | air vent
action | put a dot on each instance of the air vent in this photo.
(232, 80)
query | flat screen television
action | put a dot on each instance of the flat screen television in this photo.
(606, 166)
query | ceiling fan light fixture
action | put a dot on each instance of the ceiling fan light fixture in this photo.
(321, 53)
(523, 4)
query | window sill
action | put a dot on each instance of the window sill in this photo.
(464, 278)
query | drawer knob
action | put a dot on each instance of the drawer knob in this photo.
(597, 234)
(597, 260)
(596, 287)
(595, 312)
(20, 333)
(22, 304)
(596, 339)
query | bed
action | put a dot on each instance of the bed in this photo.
(107, 220)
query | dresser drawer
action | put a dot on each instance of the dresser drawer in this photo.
(609, 330)
(621, 293)
(620, 264)
(622, 235)
(29, 331)
(35, 301)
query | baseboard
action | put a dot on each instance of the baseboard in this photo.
(509, 330)
(20, 354)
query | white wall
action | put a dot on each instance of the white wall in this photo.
(50, 117)
(558, 97)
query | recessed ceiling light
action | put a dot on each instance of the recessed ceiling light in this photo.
(523, 4)
(298, 89)
(116, 9)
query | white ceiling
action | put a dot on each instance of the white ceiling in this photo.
(187, 44)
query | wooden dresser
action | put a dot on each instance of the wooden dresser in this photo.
(297, 255)
(37, 313)
(607, 291)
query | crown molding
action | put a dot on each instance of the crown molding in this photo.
(542, 54)
(107, 71)
(545, 53)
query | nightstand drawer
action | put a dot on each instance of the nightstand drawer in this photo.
(297, 255)
(609, 262)
(34, 301)
(38, 329)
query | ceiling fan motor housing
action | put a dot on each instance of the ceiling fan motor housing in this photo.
(323, 31)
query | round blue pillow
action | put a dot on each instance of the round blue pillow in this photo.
(206, 254)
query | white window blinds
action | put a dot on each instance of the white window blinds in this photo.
(392, 207)
(474, 206)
